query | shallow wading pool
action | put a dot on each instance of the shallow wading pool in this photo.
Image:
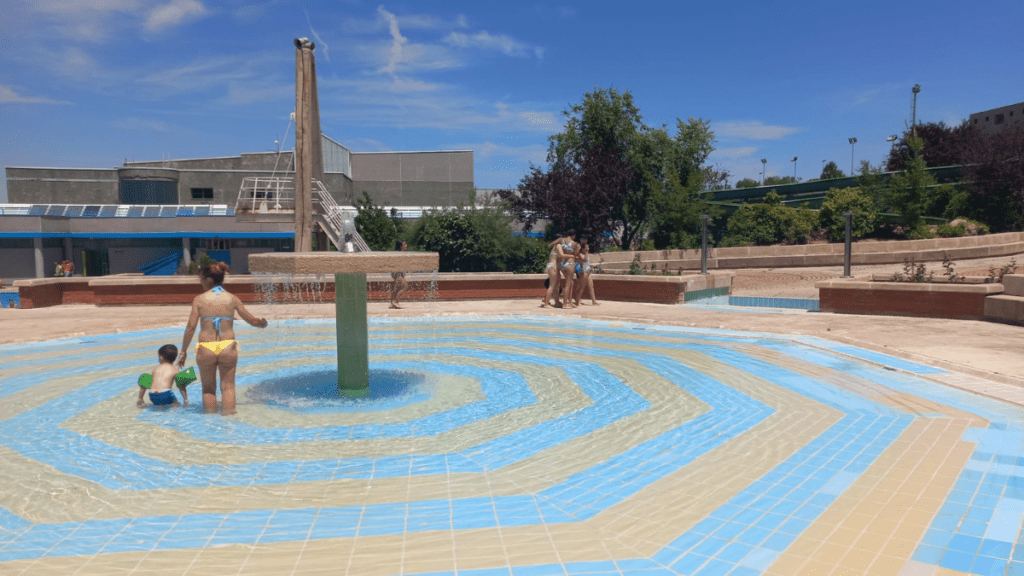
(514, 446)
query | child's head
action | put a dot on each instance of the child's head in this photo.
(168, 353)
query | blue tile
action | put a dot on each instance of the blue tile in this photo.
(995, 548)
(754, 536)
(954, 560)
(689, 564)
(734, 552)
(730, 530)
(988, 566)
(1015, 569)
(710, 547)
(963, 543)
(631, 564)
(715, 568)
(928, 554)
(937, 538)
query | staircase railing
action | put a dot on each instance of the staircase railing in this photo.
(337, 223)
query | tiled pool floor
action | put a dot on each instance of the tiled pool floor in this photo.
(524, 447)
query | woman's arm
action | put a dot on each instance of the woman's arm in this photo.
(555, 241)
(190, 331)
(247, 316)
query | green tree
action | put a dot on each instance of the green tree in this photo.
(374, 225)
(683, 182)
(747, 183)
(831, 170)
(839, 200)
(914, 193)
(779, 180)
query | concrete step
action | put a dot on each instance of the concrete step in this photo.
(1013, 285)
(1005, 308)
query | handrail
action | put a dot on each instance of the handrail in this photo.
(332, 215)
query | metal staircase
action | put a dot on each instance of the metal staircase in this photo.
(337, 223)
(272, 199)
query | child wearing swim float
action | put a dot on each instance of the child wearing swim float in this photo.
(161, 391)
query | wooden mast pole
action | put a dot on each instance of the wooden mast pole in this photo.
(307, 140)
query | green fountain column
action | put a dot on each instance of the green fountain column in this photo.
(353, 351)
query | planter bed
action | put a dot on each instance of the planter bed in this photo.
(880, 295)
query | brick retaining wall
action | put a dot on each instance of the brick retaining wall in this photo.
(133, 289)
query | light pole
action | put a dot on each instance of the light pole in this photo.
(764, 163)
(794, 168)
(913, 115)
(852, 142)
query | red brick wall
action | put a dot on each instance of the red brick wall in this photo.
(511, 287)
(622, 289)
(934, 304)
(55, 294)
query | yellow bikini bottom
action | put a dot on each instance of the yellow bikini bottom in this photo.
(219, 346)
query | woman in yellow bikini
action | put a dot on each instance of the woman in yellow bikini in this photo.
(215, 310)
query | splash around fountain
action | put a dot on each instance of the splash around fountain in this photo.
(349, 271)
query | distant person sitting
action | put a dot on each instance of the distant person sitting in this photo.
(161, 391)
(68, 267)
(59, 270)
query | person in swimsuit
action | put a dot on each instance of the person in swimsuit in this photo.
(214, 311)
(552, 271)
(583, 273)
(400, 283)
(160, 391)
(566, 265)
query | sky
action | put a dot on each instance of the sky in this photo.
(96, 83)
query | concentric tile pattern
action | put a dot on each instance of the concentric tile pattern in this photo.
(530, 448)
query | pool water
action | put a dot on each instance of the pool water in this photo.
(513, 446)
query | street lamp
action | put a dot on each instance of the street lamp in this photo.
(794, 168)
(852, 142)
(913, 118)
(764, 163)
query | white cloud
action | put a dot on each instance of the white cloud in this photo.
(397, 42)
(755, 130)
(325, 49)
(487, 41)
(738, 152)
(172, 14)
(9, 96)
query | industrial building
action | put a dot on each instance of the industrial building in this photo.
(116, 220)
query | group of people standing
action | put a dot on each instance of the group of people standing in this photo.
(569, 272)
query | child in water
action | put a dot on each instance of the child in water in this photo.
(161, 392)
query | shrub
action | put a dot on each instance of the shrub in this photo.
(839, 200)
(769, 223)
(478, 240)
(947, 231)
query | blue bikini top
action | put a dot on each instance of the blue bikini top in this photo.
(217, 319)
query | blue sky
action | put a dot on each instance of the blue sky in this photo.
(90, 84)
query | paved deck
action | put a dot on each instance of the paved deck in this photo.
(617, 439)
